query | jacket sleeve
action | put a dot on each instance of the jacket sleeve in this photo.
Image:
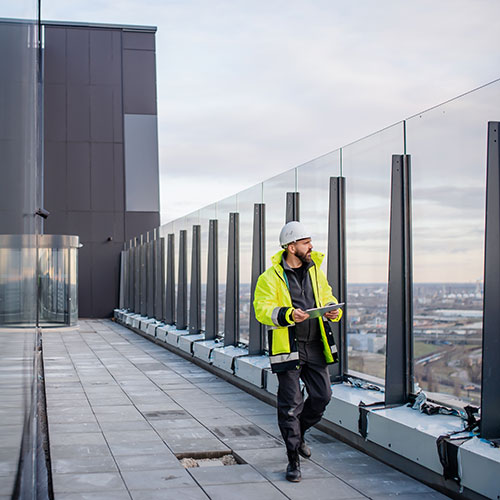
(267, 309)
(326, 294)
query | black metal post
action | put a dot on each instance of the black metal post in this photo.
(137, 274)
(292, 207)
(162, 277)
(170, 289)
(131, 261)
(123, 278)
(336, 271)
(257, 331)
(150, 301)
(232, 312)
(212, 307)
(181, 317)
(490, 395)
(144, 280)
(159, 278)
(195, 290)
(399, 347)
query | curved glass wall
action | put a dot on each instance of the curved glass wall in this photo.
(20, 196)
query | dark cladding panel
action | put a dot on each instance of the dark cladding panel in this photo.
(80, 224)
(140, 222)
(138, 41)
(107, 225)
(54, 97)
(78, 175)
(78, 112)
(57, 223)
(84, 281)
(102, 183)
(139, 82)
(54, 55)
(105, 57)
(117, 114)
(101, 113)
(77, 56)
(105, 272)
(119, 177)
(55, 192)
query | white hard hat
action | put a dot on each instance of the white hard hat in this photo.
(293, 231)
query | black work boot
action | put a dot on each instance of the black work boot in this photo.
(293, 469)
(304, 450)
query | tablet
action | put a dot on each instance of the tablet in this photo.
(319, 311)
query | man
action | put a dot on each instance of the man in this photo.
(299, 347)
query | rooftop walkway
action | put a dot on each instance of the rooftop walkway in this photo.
(121, 407)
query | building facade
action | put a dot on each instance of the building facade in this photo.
(101, 179)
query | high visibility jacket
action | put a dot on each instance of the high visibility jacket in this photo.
(273, 307)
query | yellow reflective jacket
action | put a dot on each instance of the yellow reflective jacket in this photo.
(273, 307)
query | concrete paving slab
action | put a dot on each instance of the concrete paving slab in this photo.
(166, 460)
(246, 491)
(99, 481)
(229, 474)
(157, 479)
(323, 488)
(187, 493)
(85, 464)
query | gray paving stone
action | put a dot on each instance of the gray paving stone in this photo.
(187, 493)
(78, 438)
(387, 483)
(409, 496)
(68, 451)
(70, 428)
(121, 437)
(246, 491)
(165, 460)
(149, 448)
(128, 425)
(158, 479)
(95, 495)
(229, 474)
(76, 483)
(83, 464)
(198, 445)
(320, 489)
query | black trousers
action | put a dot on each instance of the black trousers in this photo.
(295, 415)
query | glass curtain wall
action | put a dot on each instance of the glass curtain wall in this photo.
(20, 196)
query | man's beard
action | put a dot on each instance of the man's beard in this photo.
(304, 257)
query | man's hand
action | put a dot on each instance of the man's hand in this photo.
(332, 314)
(299, 315)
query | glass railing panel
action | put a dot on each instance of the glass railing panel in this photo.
(274, 193)
(313, 184)
(448, 153)
(246, 202)
(366, 165)
(224, 208)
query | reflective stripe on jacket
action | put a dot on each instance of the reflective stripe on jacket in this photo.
(273, 307)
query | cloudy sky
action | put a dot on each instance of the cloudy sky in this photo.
(248, 89)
